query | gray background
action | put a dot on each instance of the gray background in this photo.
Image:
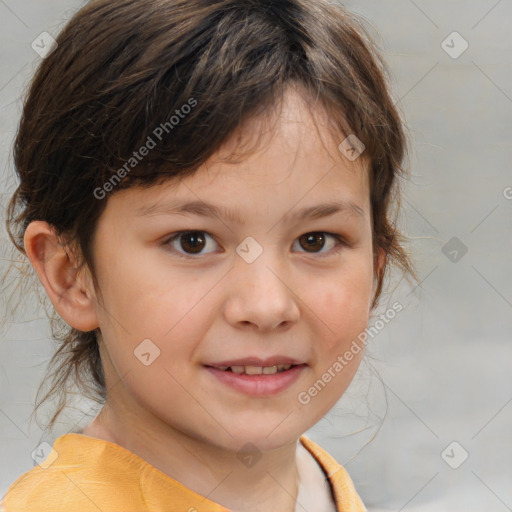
(441, 371)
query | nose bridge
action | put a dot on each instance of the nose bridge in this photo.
(261, 294)
(259, 264)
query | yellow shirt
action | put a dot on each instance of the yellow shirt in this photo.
(93, 475)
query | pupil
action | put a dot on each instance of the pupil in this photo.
(310, 240)
(197, 242)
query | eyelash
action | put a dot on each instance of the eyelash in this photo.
(337, 249)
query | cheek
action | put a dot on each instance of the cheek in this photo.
(148, 300)
(342, 307)
(141, 295)
(341, 314)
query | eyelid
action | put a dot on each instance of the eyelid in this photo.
(340, 239)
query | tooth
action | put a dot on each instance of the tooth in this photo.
(282, 367)
(223, 368)
(269, 370)
(237, 369)
(253, 370)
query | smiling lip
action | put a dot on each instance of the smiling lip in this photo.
(256, 361)
(259, 385)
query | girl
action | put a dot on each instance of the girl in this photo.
(204, 193)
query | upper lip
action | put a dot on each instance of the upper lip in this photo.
(256, 361)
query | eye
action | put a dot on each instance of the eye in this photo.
(192, 242)
(186, 244)
(317, 240)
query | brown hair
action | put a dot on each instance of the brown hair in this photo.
(122, 68)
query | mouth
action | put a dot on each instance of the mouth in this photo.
(254, 370)
(257, 377)
(257, 366)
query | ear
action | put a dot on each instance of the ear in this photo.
(72, 295)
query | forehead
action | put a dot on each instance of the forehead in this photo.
(300, 125)
(294, 162)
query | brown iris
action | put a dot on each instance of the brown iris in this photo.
(194, 242)
(312, 240)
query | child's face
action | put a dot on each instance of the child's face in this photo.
(305, 299)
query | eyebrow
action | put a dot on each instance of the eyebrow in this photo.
(204, 209)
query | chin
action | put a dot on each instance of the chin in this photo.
(267, 437)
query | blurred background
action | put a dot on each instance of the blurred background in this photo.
(427, 423)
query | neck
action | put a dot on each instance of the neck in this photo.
(267, 481)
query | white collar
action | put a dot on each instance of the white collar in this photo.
(315, 493)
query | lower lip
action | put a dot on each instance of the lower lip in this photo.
(259, 385)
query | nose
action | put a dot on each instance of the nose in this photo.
(261, 296)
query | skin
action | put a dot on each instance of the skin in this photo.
(306, 303)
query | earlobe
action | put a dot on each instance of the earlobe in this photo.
(55, 266)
